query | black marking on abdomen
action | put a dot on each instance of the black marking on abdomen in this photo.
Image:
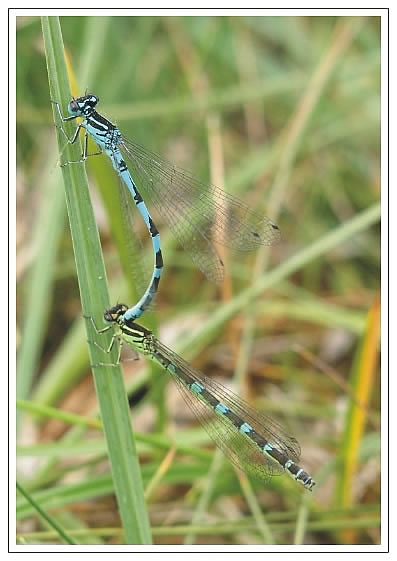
(152, 228)
(155, 284)
(294, 468)
(137, 196)
(209, 398)
(159, 260)
(161, 359)
(122, 165)
(280, 457)
(257, 438)
(235, 419)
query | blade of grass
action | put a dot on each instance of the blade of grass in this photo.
(94, 298)
(50, 521)
(49, 227)
(260, 520)
(207, 492)
(363, 378)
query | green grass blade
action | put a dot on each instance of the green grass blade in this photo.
(94, 298)
(49, 228)
(50, 521)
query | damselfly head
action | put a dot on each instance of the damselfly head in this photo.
(113, 314)
(83, 105)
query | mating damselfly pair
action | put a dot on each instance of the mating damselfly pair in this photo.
(198, 214)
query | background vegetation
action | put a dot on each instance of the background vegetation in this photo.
(284, 112)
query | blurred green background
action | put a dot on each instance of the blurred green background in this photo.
(283, 112)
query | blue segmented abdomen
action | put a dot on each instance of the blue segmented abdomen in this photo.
(260, 443)
(138, 309)
(242, 441)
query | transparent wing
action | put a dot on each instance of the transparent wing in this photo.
(197, 213)
(242, 451)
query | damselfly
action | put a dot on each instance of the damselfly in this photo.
(108, 138)
(251, 440)
(197, 213)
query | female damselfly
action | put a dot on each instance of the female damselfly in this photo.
(251, 440)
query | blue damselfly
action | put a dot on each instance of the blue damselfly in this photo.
(196, 212)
